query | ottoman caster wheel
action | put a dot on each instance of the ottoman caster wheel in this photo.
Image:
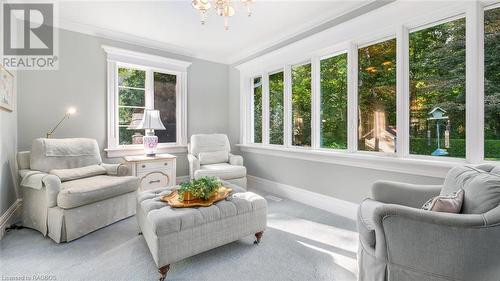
(163, 272)
(258, 237)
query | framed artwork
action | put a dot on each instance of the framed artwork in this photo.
(6, 89)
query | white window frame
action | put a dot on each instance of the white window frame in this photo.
(401, 161)
(119, 58)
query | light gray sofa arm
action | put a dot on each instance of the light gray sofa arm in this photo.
(411, 195)
(52, 185)
(49, 184)
(194, 165)
(415, 238)
(120, 170)
(236, 160)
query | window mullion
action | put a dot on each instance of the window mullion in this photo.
(265, 108)
(352, 98)
(474, 93)
(149, 91)
(403, 93)
(287, 140)
(315, 102)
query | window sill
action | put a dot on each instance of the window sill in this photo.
(138, 150)
(431, 167)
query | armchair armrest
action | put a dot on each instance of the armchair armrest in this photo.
(411, 195)
(415, 238)
(194, 165)
(50, 184)
(115, 169)
(236, 160)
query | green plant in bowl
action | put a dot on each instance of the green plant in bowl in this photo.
(201, 188)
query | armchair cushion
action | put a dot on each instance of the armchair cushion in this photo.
(209, 143)
(78, 173)
(214, 157)
(50, 154)
(224, 171)
(85, 191)
(482, 188)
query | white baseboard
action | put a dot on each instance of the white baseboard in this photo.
(9, 216)
(334, 205)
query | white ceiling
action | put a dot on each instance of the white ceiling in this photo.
(175, 25)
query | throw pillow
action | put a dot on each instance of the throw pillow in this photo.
(446, 203)
(213, 157)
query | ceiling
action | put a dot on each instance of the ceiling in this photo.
(175, 25)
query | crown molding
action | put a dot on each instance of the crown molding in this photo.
(91, 30)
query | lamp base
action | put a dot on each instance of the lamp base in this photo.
(150, 144)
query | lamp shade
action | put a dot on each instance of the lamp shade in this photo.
(151, 120)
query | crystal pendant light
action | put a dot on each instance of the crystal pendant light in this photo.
(203, 6)
(223, 8)
(248, 4)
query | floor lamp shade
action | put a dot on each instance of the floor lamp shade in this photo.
(151, 121)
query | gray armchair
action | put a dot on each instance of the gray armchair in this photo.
(400, 241)
(210, 156)
(68, 191)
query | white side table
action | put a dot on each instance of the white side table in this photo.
(154, 172)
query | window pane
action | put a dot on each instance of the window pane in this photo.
(334, 102)
(301, 105)
(128, 119)
(131, 97)
(165, 102)
(437, 90)
(377, 97)
(257, 110)
(492, 84)
(131, 78)
(276, 108)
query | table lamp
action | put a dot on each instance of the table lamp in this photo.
(151, 121)
(68, 113)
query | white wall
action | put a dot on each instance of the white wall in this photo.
(8, 166)
(81, 82)
(9, 192)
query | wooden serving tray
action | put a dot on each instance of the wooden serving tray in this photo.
(173, 199)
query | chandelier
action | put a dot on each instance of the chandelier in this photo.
(223, 8)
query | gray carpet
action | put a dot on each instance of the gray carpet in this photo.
(301, 243)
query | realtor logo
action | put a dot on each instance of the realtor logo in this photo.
(29, 36)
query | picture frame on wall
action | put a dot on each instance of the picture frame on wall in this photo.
(6, 89)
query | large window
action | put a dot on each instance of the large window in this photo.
(377, 97)
(404, 95)
(437, 90)
(276, 108)
(492, 84)
(136, 82)
(165, 86)
(133, 99)
(131, 104)
(301, 105)
(334, 102)
(257, 110)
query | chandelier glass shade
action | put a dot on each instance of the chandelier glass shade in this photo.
(223, 8)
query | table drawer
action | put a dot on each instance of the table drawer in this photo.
(146, 167)
(154, 180)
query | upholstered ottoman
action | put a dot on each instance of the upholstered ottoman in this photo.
(173, 234)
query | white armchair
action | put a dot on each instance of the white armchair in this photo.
(210, 156)
(67, 190)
